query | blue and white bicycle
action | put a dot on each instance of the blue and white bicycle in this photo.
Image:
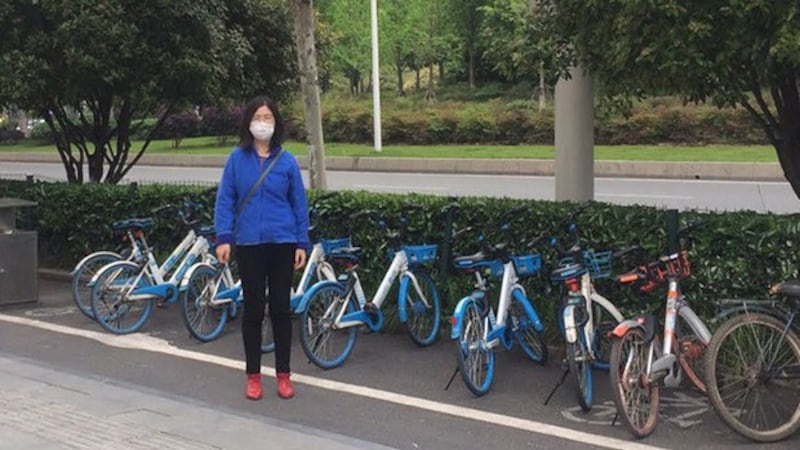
(124, 292)
(334, 310)
(477, 330)
(210, 295)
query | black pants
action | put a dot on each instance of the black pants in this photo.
(259, 265)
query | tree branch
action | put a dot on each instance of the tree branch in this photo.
(765, 123)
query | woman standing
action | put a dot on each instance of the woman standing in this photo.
(261, 208)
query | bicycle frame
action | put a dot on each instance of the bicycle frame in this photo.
(398, 268)
(590, 296)
(664, 359)
(494, 332)
(316, 264)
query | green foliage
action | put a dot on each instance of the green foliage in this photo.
(90, 67)
(735, 255)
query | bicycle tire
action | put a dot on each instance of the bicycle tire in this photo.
(531, 342)
(204, 321)
(111, 306)
(422, 322)
(628, 373)
(316, 327)
(722, 366)
(82, 275)
(475, 358)
(581, 369)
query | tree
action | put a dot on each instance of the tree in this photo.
(467, 22)
(303, 14)
(350, 43)
(93, 68)
(730, 52)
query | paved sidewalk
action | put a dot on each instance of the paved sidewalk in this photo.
(44, 408)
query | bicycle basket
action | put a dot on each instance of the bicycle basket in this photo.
(420, 254)
(527, 265)
(598, 263)
(330, 245)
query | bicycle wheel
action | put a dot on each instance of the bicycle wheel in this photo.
(267, 337)
(754, 377)
(204, 320)
(326, 346)
(581, 369)
(636, 397)
(82, 275)
(475, 358)
(112, 306)
(690, 350)
(531, 341)
(422, 321)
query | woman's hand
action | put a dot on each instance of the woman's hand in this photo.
(224, 253)
(299, 259)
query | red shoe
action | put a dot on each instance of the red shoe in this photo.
(285, 389)
(254, 390)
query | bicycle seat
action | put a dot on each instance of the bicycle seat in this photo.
(206, 230)
(133, 224)
(346, 254)
(789, 288)
(469, 261)
(567, 271)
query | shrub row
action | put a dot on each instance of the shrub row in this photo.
(459, 123)
(735, 255)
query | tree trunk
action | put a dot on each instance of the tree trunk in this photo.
(441, 73)
(399, 68)
(418, 83)
(430, 95)
(471, 54)
(542, 87)
(303, 14)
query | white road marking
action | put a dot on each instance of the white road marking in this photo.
(400, 188)
(654, 196)
(156, 345)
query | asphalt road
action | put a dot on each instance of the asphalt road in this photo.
(776, 197)
(388, 392)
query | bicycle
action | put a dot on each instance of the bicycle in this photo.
(131, 231)
(584, 315)
(639, 360)
(333, 310)
(753, 367)
(476, 328)
(210, 295)
(125, 290)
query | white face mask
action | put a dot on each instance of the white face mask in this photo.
(262, 131)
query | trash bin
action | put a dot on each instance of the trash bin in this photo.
(18, 256)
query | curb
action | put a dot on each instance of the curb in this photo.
(528, 167)
(55, 274)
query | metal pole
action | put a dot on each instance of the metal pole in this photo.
(574, 133)
(376, 91)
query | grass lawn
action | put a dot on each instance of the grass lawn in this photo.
(209, 145)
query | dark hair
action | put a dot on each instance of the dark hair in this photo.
(245, 138)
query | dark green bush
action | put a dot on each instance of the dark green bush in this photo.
(735, 254)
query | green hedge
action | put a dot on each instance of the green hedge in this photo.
(516, 122)
(735, 255)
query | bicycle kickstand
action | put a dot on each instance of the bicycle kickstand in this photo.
(560, 382)
(453, 377)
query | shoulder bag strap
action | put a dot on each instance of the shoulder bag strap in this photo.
(258, 183)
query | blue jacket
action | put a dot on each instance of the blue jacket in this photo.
(276, 213)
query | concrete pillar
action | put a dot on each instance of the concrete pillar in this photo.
(574, 133)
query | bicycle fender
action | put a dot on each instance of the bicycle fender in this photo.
(530, 311)
(184, 283)
(91, 255)
(111, 266)
(457, 321)
(626, 325)
(570, 331)
(402, 294)
(312, 291)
